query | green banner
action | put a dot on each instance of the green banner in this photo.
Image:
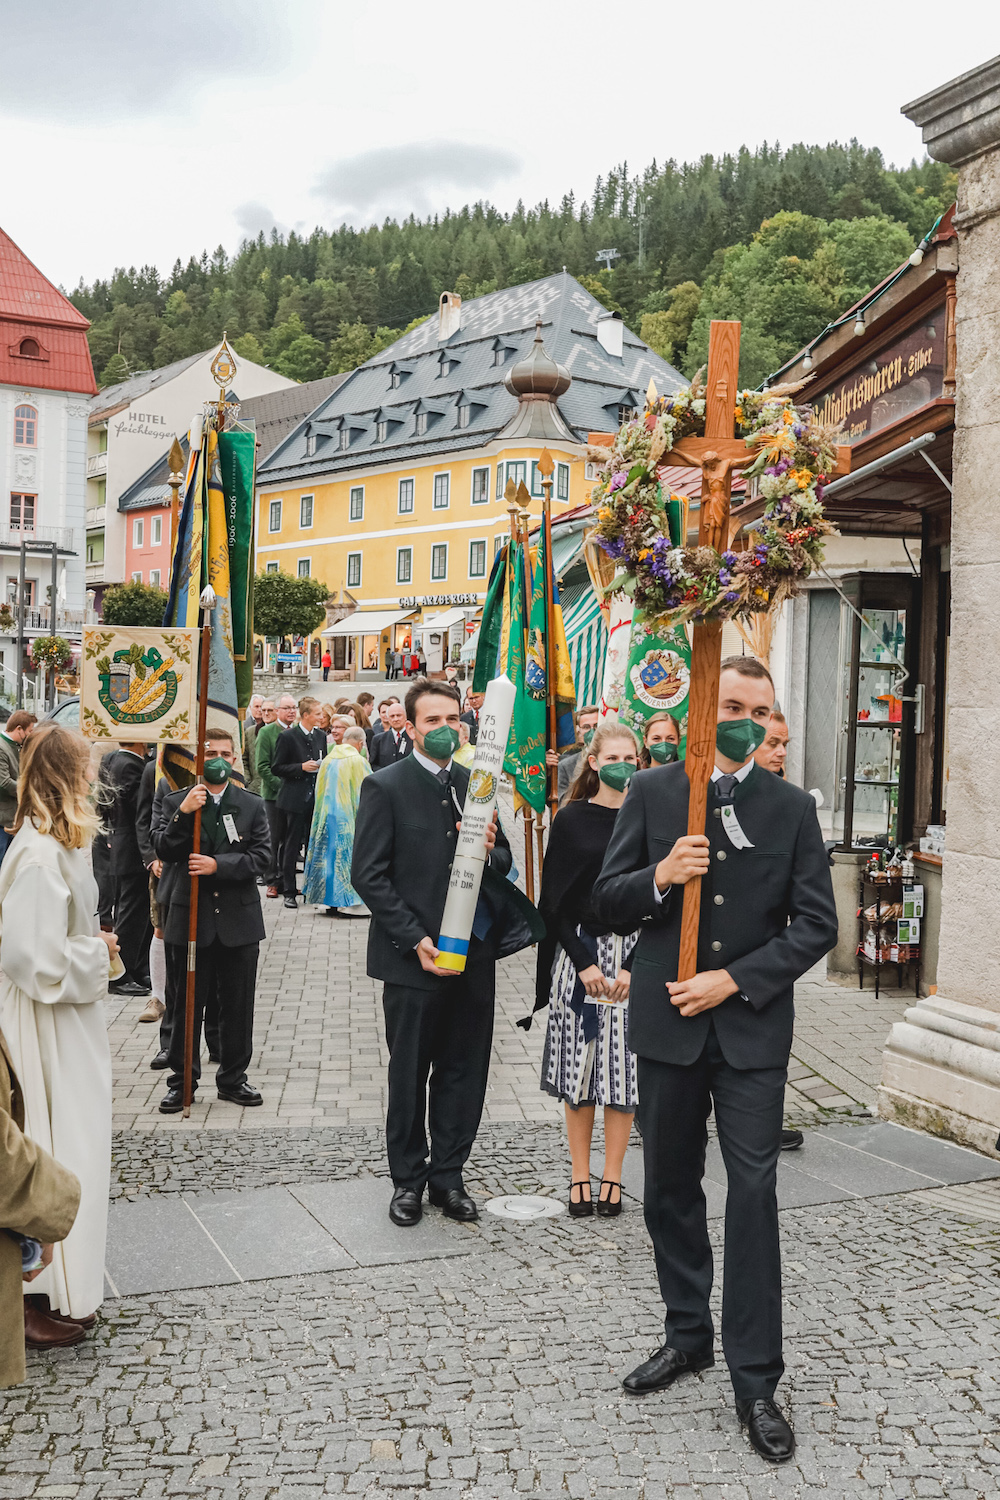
(491, 626)
(236, 460)
(658, 674)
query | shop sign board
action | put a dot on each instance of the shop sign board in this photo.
(898, 380)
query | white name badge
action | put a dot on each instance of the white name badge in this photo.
(734, 832)
(229, 824)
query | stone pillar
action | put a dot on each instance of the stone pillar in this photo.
(941, 1067)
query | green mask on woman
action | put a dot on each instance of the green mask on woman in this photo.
(663, 752)
(617, 774)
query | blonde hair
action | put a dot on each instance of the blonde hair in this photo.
(53, 792)
(586, 783)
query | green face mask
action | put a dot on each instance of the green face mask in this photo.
(617, 774)
(663, 752)
(738, 738)
(217, 771)
(441, 744)
(588, 735)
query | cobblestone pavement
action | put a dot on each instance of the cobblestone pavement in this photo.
(497, 1372)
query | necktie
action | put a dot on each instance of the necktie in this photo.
(725, 786)
(444, 776)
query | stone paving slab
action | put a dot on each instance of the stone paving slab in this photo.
(266, 1232)
(356, 1214)
(159, 1245)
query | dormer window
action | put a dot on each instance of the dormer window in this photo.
(381, 431)
(395, 380)
(464, 414)
(421, 424)
(446, 364)
(310, 444)
(345, 438)
(29, 349)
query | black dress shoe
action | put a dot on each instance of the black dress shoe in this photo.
(791, 1140)
(128, 987)
(405, 1208)
(454, 1203)
(173, 1102)
(291, 901)
(609, 1208)
(580, 1208)
(769, 1433)
(161, 1060)
(243, 1095)
(663, 1368)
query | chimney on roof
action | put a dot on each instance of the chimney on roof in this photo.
(611, 334)
(449, 316)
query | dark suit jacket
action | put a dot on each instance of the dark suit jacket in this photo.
(473, 724)
(124, 772)
(384, 751)
(767, 914)
(291, 749)
(404, 843)
(144, 813)
(228, 901)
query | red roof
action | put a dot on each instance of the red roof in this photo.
(32, 309)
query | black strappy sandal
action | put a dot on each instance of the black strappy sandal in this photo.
(605, 1208)
(582, 1208)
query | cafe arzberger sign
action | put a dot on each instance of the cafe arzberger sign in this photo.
(413, 602)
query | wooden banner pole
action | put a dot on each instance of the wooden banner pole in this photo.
(207, 605)
(706, 646)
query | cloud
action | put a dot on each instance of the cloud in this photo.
(70, 60)
(252, 218)
(417, 178)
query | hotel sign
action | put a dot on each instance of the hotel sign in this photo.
(886, 388)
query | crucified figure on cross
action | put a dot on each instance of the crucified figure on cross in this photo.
(718, 455)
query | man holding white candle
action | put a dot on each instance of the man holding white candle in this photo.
(439, 1022)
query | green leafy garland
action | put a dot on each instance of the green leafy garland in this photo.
(793, 455)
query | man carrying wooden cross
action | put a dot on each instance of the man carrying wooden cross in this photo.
(711, 1004)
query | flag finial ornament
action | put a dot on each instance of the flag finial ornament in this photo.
(223, 366)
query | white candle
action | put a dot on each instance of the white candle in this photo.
(480, 805)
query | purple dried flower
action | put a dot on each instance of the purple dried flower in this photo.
(618, 482)
(724, 577)
(731, 597)
(729, 558)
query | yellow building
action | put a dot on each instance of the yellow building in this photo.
(391, 491)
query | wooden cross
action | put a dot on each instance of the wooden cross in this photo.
(717, 455)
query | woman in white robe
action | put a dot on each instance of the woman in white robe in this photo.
(53, 977)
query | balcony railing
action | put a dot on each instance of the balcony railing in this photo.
(13, 536)
(97, 465)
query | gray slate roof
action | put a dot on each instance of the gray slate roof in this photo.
(277, 413)
(127, 391)
(273, 416)
(439, 377)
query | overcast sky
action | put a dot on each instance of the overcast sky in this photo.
(136, 131)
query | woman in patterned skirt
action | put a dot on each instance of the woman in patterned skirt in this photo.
(583, 974)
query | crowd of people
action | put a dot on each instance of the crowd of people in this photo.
(371, 811)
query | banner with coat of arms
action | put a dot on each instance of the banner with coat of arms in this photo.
(139, 684)
(658, 673)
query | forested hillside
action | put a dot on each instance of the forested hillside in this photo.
(784, 240)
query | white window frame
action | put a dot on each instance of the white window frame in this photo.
(354, 583)
(138, 532)
(445, 474)
(437, 547)
(155, 531)
(154, 578)
(478, 541)
(480, 469)
(356, 489)
(307, 525)
(303, 562)
(420, 424)
(381, 431)
(272, 529)
(344, 438)
(562, 469)
(271, 567)
(408, 551)
(411, 481)
(464, 416)
(137, 577)
(515, 464)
